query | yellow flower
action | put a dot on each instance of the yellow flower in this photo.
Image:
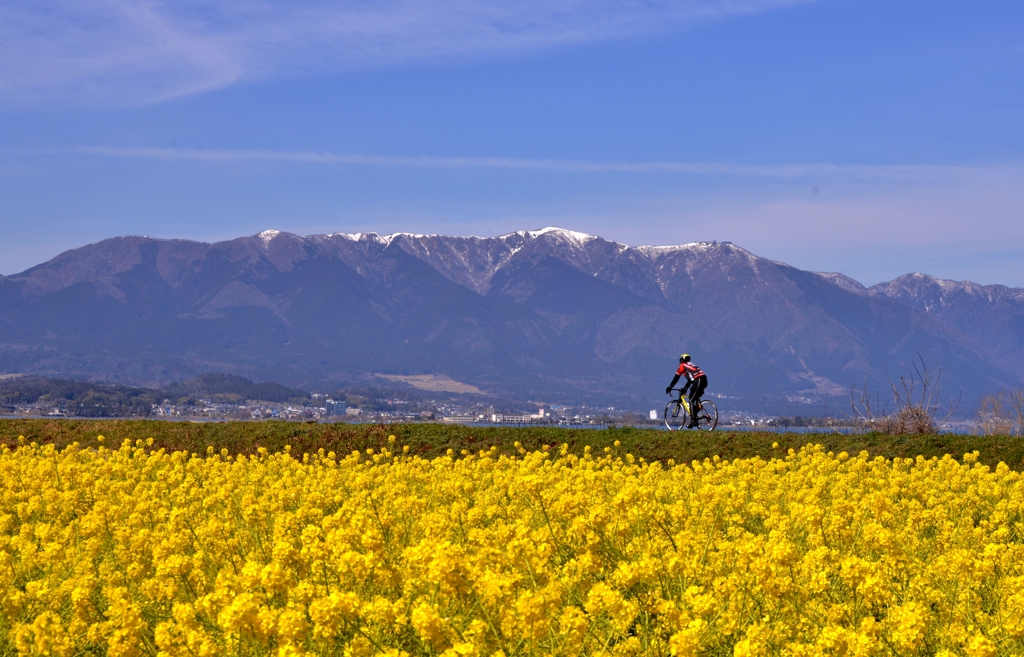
(131, 550)
(980, 646)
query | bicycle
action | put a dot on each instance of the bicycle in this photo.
(678, 410)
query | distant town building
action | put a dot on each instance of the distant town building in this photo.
(519, 419)
(334, 408)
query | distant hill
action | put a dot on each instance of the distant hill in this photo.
(86, 399)
(549, 315)
(241, 388)
(78, 398)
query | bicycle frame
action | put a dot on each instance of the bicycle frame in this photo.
(685, 402)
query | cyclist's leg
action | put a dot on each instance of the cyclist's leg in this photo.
(692, 403)
(698, 391)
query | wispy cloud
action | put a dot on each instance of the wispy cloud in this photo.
(142, 51)
(892, 172)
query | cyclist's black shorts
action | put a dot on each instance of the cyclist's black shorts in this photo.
(697, 387)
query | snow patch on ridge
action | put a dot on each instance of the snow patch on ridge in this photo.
(549, 230)
(562, 232)
(933, 293)
(689, 246)
(842, 280)
(360, 237)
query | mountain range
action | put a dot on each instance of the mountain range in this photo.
(549, 315)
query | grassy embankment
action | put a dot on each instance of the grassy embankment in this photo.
(434, 439)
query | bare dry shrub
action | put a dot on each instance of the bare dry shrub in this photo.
(907, 420)
(994, 415)
(1015, 399)
(915, 397)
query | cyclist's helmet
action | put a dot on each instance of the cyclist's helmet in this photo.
(684, 358)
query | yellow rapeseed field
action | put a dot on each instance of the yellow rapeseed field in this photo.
(132, 551)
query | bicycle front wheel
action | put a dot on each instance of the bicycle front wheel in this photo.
(675, 415)
(707, 416)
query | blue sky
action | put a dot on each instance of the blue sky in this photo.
(868, 137)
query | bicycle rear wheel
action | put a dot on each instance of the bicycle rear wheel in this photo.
(675, 416)
(707, 416)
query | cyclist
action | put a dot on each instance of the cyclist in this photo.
(696, 381)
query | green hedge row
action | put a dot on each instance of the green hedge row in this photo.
(435, 439)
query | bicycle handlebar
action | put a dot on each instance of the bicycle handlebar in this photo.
(684, 400)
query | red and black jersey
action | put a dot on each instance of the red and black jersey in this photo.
(690, 370)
